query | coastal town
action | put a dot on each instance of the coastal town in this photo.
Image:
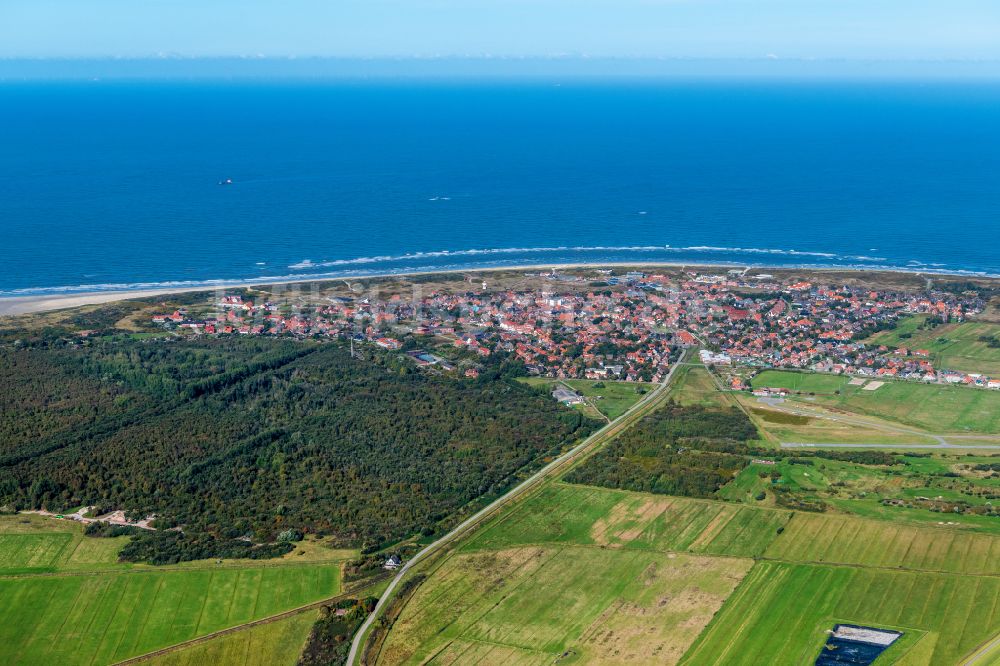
(631, 326)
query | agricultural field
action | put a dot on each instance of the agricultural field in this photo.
(522, 606)
(782, 612)
(602, 576)
(33, 544)
(608, 398)
(935, 408)
(845, 540)
(952, 346)
(56, 582)
(273, 644)
(566, 514)
(105, 617)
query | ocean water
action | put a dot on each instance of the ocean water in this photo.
(110, 185)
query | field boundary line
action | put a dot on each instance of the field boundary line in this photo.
(234, 629)
(725, 556)
(153, 569)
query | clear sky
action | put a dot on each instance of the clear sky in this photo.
(863, 29)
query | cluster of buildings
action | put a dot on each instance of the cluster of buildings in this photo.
(631, 327)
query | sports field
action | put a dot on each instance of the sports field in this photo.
(274, 644)
(781, 613)
(952, 346)
(932, 407)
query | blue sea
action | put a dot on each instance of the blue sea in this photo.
(116, 185)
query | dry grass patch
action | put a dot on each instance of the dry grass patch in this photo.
(628, 519)
(662, 612)
(578, 604)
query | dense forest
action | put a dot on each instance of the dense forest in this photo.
(230, 438)
(676, 450)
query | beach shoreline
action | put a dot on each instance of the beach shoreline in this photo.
(38, 303)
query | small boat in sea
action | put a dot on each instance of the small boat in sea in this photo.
(227, 181)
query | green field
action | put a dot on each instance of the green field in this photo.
(565, 514)
(962, 495)
(273, 644)
(529, 605)
(693, 385)
(952, 346)
(105, 617)
(931, 407)
(33, 544)
(824, 427)
(565, 573)
(846, 540)
(781, 613)
(65, 599)
(609, 398)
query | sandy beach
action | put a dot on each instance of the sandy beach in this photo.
(19, 305)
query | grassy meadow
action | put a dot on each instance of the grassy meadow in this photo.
(782, 612)
(105, 617)
(846, 540)
(693, 385)
(65, 599)
(932, 407)
(952, 346)
(588, 575)
(532, 604)
(566, 514)
(608, 398)
(273, 644)
(823, 428)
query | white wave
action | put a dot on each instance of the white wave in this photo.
(489, 257)
(361, 272)
(435, 254)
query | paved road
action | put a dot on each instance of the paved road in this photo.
(988, 651)
(943, 445)
(556, 465)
